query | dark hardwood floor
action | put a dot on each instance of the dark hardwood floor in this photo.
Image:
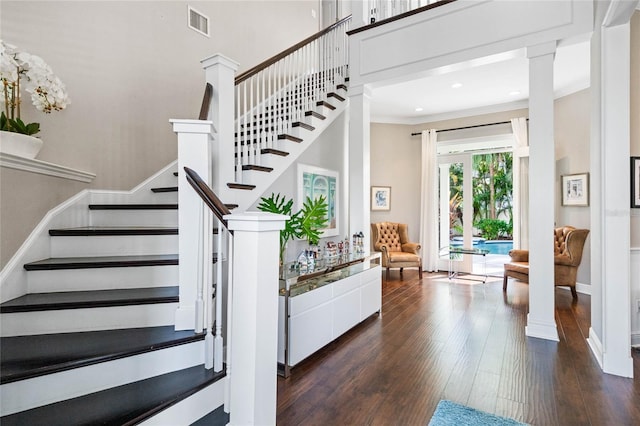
(463, 343)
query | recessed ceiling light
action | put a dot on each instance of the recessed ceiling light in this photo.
(514, 93)
(456, 85)
(418, 109)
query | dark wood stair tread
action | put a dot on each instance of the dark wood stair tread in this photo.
(336, 96)
(165, 189)
(133, 206)
(88, 231)
(56, 263)
(215, 418)
(315, 114)
(303, 125)
(123, 405)
(90, 299)
(242, 186)
(325, 104)
(32, 356)
(257, 168)
(274, 152)
(290, 138)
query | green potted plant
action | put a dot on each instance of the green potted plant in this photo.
(23, 71)
(306, 223)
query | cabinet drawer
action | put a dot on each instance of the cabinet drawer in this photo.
(346, 312)
(371, 274)
(309, 332)
(303, 302)
(346, 285)
(370, 298)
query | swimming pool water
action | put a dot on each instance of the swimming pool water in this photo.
(494, 247)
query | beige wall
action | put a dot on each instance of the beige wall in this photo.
(396, 162)
(129, 67)
(572, 137)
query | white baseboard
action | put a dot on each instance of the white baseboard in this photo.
(583, 288)
(635, 339)
(596, 346)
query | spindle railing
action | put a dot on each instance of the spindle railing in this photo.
(280, 91)
(208, 302)
(380, 11)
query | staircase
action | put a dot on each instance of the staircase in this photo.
(92, 339)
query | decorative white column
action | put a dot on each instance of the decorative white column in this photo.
(254, 317)
(220, 72)
(541, 320)
(360, 162)
(610, 332)
(194, 242)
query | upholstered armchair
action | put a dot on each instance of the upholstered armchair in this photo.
(569, 244)
(392, 239)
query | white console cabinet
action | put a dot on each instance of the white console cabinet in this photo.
(317, 307)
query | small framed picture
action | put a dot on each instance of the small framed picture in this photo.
(635, 182)
(575, 190)
(380, 198)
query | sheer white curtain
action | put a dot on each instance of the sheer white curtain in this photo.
(429, 202)
(520, 183)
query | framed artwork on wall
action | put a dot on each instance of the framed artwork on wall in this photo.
(314, 182)
(575, 189)
(635, 182)
(380, 198)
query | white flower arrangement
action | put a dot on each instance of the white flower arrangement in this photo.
(21, 70)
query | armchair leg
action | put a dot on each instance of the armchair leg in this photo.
(387, 273)
(420, 271)
(400, 273)
(504, 282)
(574, 293)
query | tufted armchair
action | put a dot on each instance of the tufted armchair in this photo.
(569, 243)
(392, 239)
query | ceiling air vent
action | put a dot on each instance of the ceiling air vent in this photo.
(198, 22)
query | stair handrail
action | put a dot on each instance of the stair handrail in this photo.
(203, 190)
(277, 95)
(206, 102)
(275, 58)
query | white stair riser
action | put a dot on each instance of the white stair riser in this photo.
(193, 408)
(92, 319)
(102, 278)
(116, 245)
(147, 218)
(162, 197)
(31, 393)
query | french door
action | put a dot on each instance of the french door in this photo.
(456, 209)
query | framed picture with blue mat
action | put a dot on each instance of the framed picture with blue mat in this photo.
(451, 414)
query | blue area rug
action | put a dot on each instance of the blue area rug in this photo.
(451, 414)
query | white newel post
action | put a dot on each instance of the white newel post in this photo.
(220, 72)
(194, 151)
(254, 322)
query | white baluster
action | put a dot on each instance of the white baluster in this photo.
(200, 300)
(208, 283)
(238, 149)
(218, 343)
(227, 393)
